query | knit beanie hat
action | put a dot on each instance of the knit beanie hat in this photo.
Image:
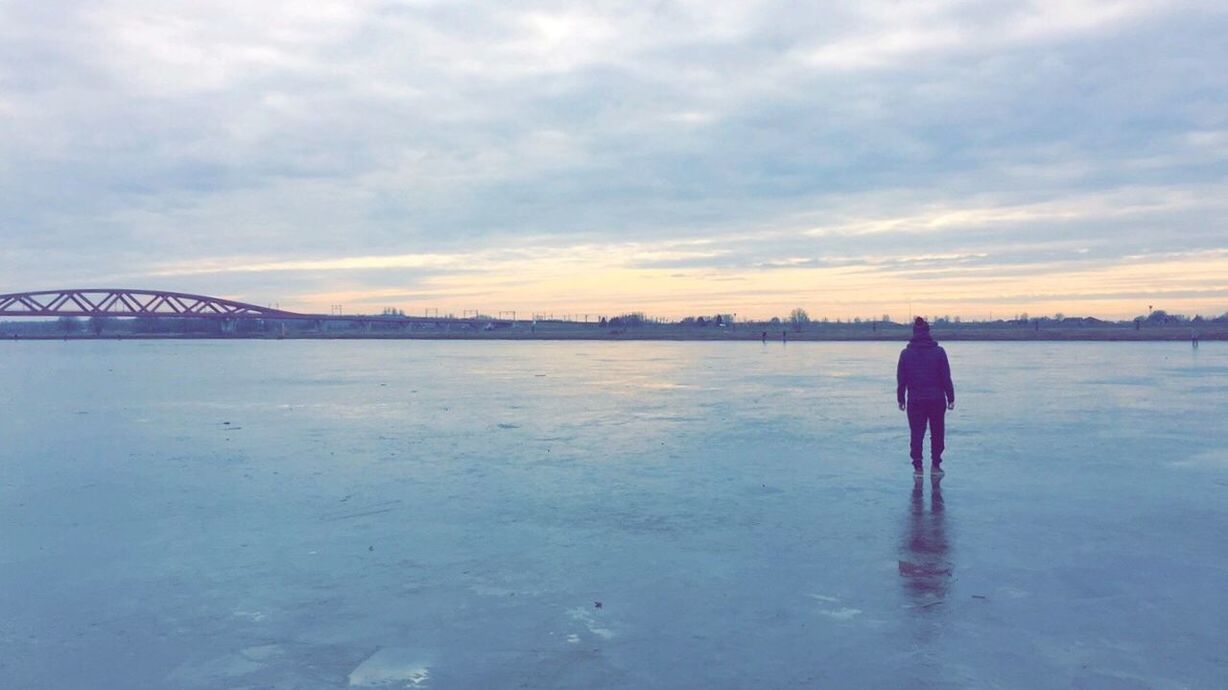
(919, 326)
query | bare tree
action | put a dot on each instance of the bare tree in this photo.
(799, 318)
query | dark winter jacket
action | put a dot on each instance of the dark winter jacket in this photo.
(924, 372)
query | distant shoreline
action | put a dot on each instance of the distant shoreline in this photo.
(680, 335)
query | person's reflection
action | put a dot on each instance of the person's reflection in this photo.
(924, 563)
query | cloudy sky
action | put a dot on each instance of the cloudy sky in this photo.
(676, 157)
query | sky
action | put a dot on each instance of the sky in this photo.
(855, 159)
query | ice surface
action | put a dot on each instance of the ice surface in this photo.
(291, 514)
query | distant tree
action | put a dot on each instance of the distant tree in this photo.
(632, 319)
(144, 324)
(718, 320)
(886, 319)
(98, 323)
(799, 318)
(1159, 316)
(603, 322)
(701, 321)
(69, 324)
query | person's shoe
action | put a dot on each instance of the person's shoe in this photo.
(918, 470)
(936, 469)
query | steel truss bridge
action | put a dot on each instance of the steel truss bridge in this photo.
(124, 303)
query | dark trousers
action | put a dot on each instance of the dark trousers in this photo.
(921, 412)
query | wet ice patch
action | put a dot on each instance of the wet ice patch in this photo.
(221, 671)
(490, 591)
(391, 667)
(663, 385)
(910, 569)
(1216, 457)
(263, 652)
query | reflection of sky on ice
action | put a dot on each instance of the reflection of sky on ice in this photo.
(450, 514)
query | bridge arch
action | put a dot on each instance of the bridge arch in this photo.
(121, 302)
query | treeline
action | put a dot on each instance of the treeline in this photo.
(1159, 317)
(797, 320)
(800, 319)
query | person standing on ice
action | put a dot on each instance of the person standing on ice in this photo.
(924, 389)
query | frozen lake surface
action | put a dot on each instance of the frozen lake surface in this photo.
(306, 514)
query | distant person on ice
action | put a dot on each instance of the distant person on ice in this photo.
(925, 390)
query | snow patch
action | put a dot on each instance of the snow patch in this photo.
(841, 614)
(585, 617)
(391, 667)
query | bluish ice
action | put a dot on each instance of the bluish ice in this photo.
(410, 514)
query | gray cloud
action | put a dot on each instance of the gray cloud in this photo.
(137, 134)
